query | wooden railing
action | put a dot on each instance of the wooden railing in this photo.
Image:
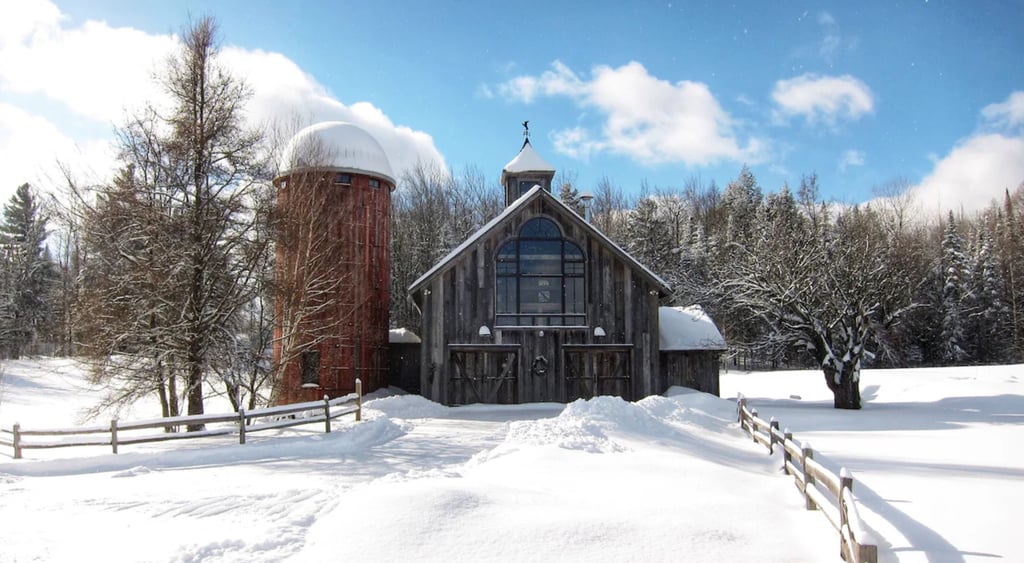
(245, 422)
(822, 489)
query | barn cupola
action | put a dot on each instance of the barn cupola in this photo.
(525, 171)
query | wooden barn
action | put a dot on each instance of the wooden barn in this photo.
(690, 346)
(538, 305)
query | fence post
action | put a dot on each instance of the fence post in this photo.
(241, 425)
(773, 427)
(845, 485)
(113, 434)
(753, 425)
(359, 399)
(787, 457)
(17, 441)
(808, 453)
(740, 403)
(327, 415)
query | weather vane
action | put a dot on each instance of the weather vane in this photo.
(526, 128)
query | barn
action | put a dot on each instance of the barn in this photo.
(538, 305)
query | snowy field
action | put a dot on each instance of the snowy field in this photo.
(664, 479)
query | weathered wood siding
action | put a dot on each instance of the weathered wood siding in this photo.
(697, 369)
(459, 300)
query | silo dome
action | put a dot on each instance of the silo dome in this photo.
(336, 145)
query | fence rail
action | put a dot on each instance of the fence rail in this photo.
(822, 489)
(245, 422)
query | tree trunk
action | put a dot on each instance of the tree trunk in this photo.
(195, 391)
(845, 393)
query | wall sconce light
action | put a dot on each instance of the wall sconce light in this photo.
(598, 331)
(484, 331)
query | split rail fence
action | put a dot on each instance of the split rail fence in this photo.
(245, 422)
(822, 489)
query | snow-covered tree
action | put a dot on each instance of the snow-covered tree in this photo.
(955, 274)
(831, 296)
(29, 276)
(178, 225)
(647, 236)
(989, 320)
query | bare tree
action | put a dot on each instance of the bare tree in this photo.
(177, 231)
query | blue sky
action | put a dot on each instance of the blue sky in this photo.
(860, 93)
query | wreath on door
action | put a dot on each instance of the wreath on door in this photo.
(540, 366)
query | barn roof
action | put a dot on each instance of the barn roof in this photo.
(688, 328)
(336, 145)
(510, 211)
(526, 161)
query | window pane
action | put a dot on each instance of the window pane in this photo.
(573, 252)
(311, 367)
(540, 257)
(507, 251)
(505, 295)
(540, 227)
(540, 295)
(574, 295)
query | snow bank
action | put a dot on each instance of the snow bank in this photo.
(407, 406)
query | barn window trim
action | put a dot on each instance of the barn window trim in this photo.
(540, 278)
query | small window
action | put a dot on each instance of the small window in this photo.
(311, 368)
(374, 183)
(343, 178)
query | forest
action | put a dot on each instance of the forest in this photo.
(163, 277)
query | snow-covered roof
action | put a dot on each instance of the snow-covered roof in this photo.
(512, 209)
(402, 336)
(526, 161)
(336, 145)
(688, 328)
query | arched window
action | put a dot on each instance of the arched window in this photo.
(539, 278)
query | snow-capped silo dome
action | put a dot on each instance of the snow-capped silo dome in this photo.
(336, 145)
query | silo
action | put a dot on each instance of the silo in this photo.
(333, 267)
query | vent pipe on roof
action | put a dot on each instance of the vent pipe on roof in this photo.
(587, 199)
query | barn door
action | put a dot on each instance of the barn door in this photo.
(483, 373)
(597, 369)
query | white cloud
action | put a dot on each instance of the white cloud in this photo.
(32, 146)
(979, 168)
(851, 158)
(644, 118)
(95, 72)
(1008, 114)
(822, 99)
(973, 174)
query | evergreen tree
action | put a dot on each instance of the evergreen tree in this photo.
(989, 322)
(647, 236)
(29, 275)
(954, 293)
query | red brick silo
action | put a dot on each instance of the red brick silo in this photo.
(333, 267)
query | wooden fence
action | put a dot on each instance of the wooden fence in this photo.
(822, 489)
(245, 422)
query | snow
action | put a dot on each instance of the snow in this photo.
(527, 161)
(667, 478)
(934, 452)
(402, 336)
(688, 328)
(343, 146)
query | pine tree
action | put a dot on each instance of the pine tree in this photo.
(29, 275)
(647, 236)
(989, 322)
(954, 292)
